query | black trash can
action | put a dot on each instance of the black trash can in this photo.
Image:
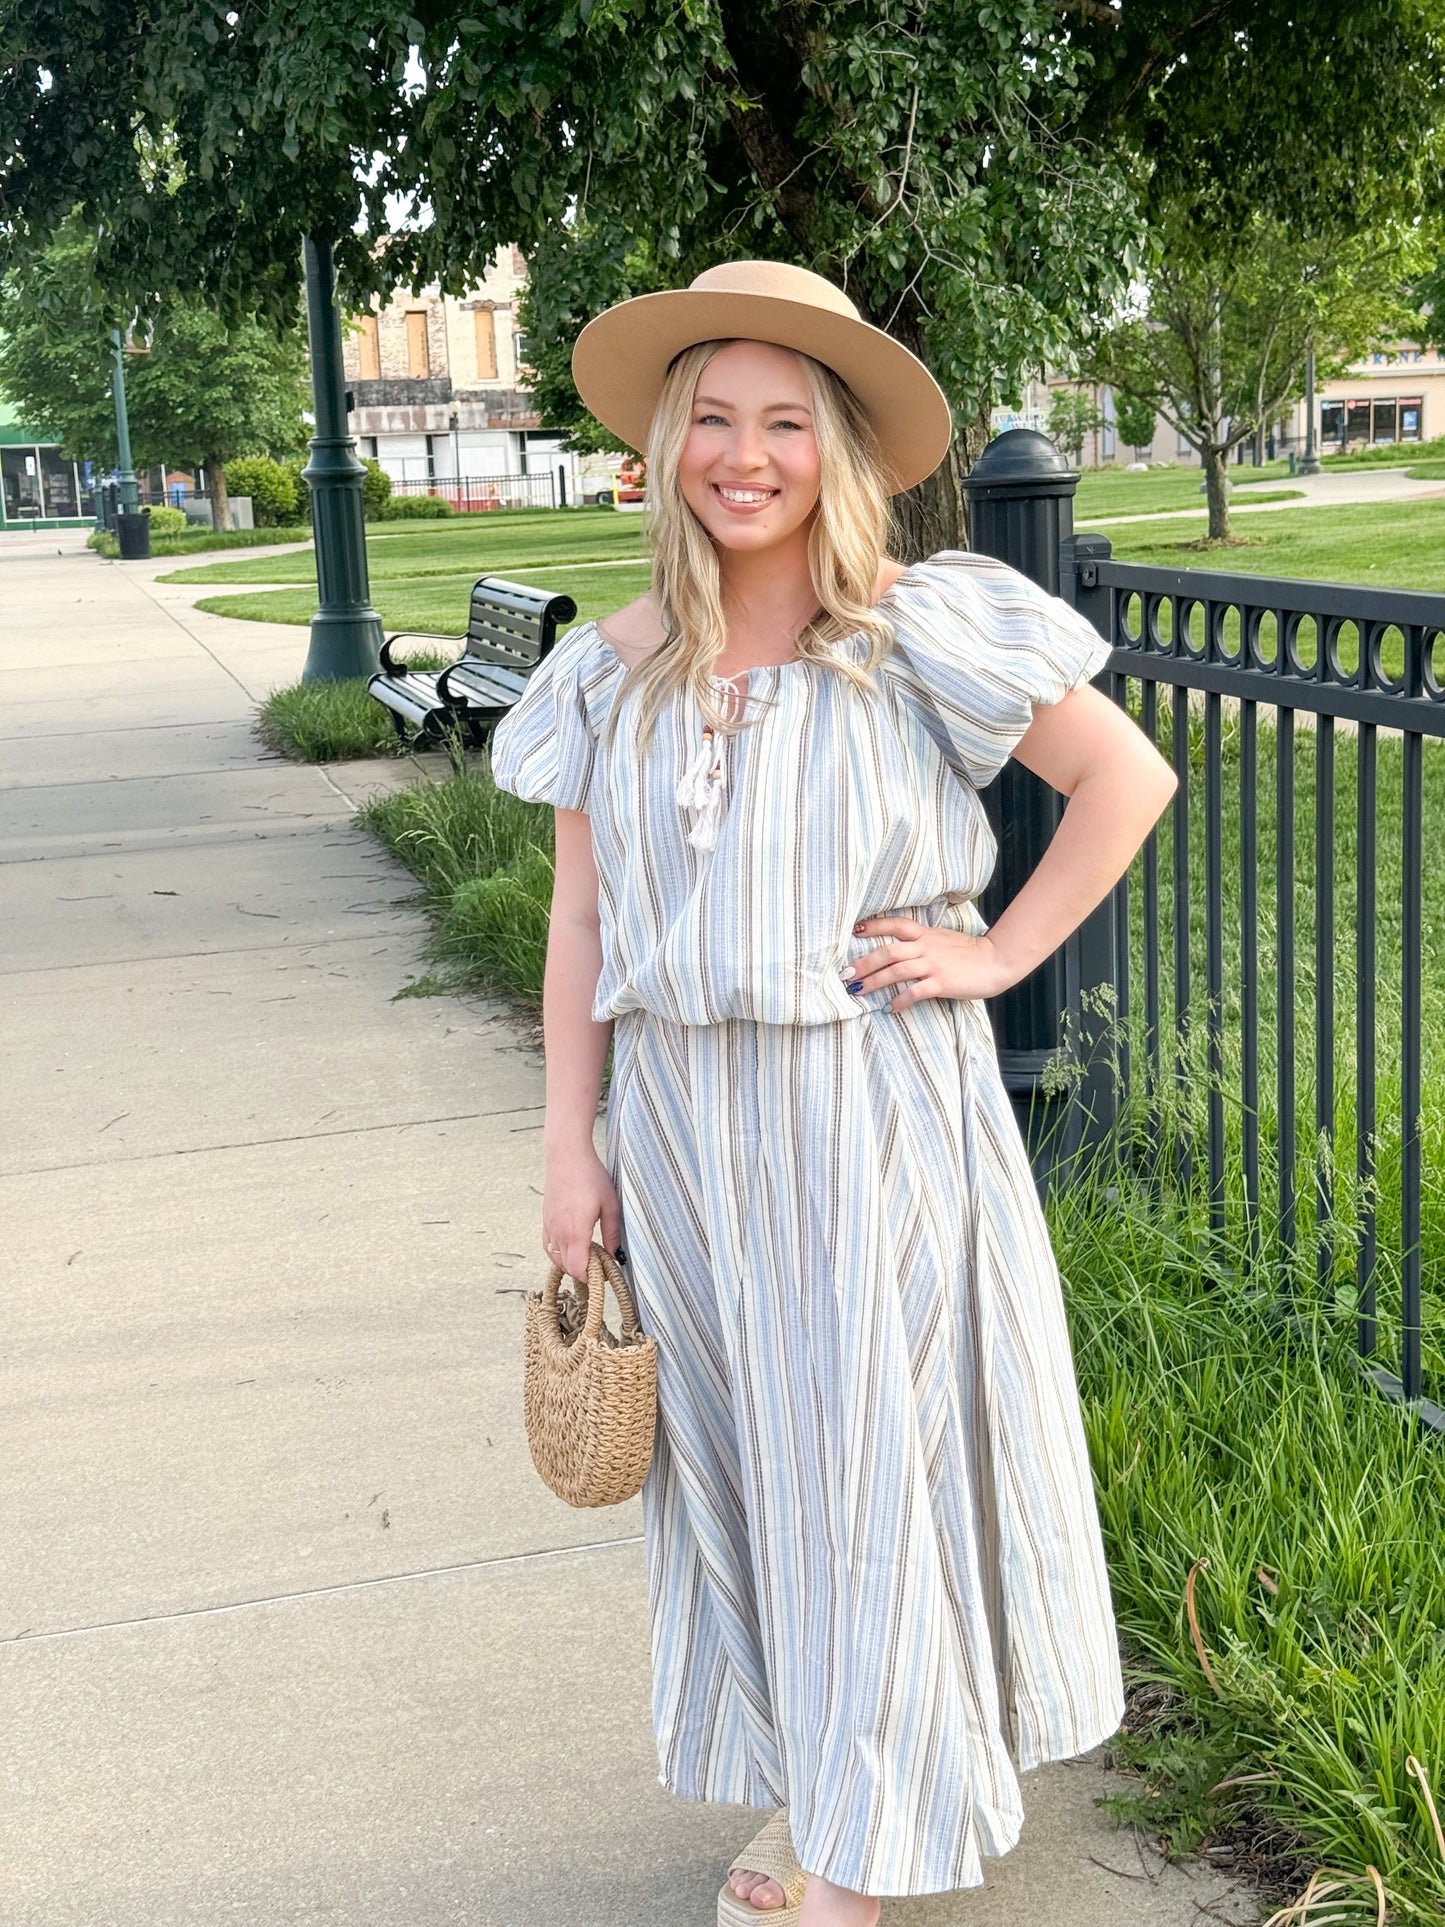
(133, 528)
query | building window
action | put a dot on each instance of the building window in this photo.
(368, 347)
(1380, 420)
(20, 473)
(522, 348)
(57, 476)
(486, 325)
(418, 352)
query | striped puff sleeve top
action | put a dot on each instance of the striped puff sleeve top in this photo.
(837, 803)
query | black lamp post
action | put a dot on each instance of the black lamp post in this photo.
(1021, 510)
(1311, 465)
(346, 630)
(125, 473)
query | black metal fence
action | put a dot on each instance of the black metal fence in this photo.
(474, 494)
(1250, 1004)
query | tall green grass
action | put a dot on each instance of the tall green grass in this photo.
(485, 861)
(334, 722)
(1275, 1533)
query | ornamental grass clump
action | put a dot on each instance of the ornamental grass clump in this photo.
(458, 828)
(1276, 1538)
(484, 859)
(333, 722)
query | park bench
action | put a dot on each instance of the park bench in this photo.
(510, 629)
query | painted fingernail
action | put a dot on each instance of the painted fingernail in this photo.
(857, 929)
(620, 1255)
(856, 986)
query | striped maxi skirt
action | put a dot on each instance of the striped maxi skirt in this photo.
(876, 1584)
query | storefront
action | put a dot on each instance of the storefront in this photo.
(40, 487)
(1363, 421)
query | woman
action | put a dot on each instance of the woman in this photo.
(876, 1584)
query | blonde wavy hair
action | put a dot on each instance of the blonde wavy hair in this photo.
(848, 540)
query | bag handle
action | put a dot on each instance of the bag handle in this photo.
(602, 1270)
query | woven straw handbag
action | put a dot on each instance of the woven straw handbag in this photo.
(589, 1396)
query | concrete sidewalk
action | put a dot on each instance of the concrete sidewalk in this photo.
(289, 1629)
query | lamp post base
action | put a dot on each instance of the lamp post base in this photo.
(1310, 465)
(344, 643)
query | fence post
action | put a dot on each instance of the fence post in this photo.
(1021, 510)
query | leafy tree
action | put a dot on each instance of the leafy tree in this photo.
(1073, 417)
(976, 176)
(1218, 344)
(203, 392)
(1134, 420)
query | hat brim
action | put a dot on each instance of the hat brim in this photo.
(621, 358)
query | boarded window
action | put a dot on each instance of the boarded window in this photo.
(418, 355)
(486, 324)
(368, 347)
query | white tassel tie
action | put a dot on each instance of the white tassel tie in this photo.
(701, 786)
(701, 789)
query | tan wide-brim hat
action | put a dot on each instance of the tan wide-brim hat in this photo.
(622, 355)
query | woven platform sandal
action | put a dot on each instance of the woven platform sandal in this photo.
(769, 1852)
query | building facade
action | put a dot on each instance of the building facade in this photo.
(39, 487)
(1394, 396)
(439, 397)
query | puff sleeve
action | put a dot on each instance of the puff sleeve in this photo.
(977, 646)
(545, 747)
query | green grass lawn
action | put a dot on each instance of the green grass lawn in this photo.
(195, 541)
(438, 604)
(1396, 545)
(471, 546)
(1393, 544)
(1113, 491)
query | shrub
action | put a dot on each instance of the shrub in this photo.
(415, 508)
(271, 488)
(302, 511)
(375, 489)
(168, 521)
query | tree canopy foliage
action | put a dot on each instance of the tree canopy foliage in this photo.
(202, 391)
(980, 177)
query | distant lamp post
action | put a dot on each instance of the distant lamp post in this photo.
(1311, 465)
(125, 473)
(454, 423)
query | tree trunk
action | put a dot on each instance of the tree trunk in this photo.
(1216, 484)
(220, 495)
(934, 515)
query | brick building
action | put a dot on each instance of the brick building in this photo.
(438, 386)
